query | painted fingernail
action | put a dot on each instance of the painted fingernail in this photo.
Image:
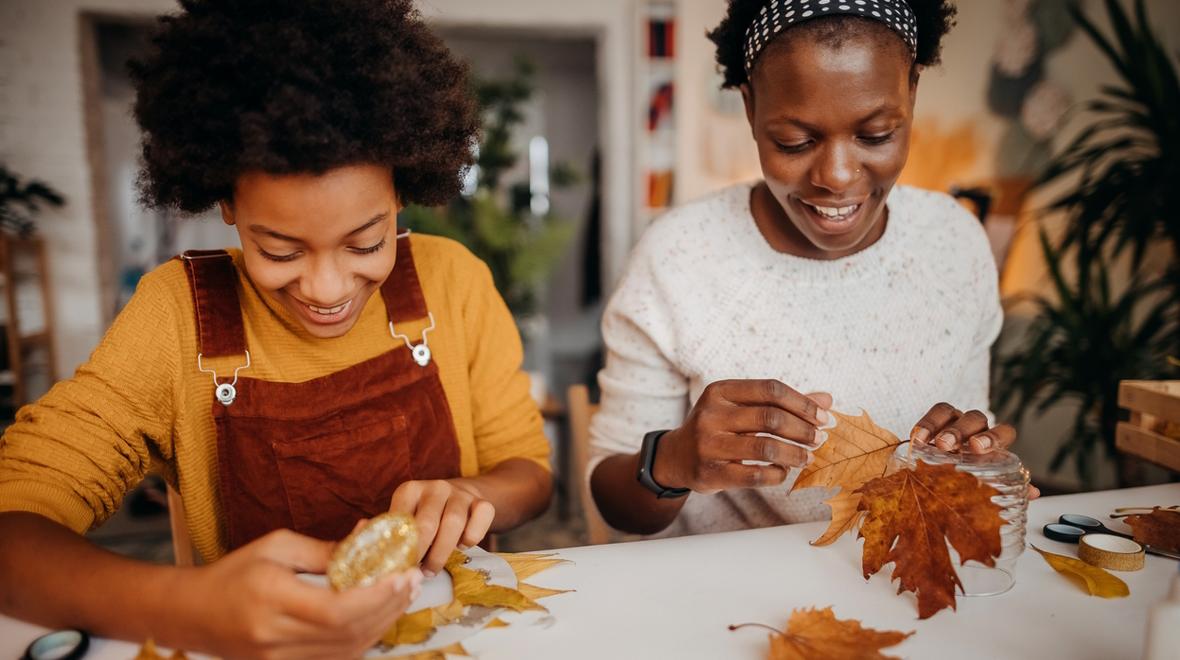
(981, 443)
(945, 442)
(919, 435)
(426, 572)
(823, 416)
(820, 437)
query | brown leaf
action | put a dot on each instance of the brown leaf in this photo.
(910, 517)
(818, 635)
(1097, 581)
(1160, 528)
(856, 451)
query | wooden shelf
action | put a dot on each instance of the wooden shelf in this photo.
(35, 338)
(32, 272)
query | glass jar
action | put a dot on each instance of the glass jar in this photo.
(1002, 470)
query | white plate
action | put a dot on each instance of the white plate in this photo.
(437, 591)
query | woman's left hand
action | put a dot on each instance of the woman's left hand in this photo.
(949, 429)
(450, 514)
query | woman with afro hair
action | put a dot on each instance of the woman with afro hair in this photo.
(823, 278)
(329, 370)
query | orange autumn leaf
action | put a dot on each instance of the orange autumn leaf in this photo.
(818, 635)
(1160, 528)
(911, 515)
(856, 451)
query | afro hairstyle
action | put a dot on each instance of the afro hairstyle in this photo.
(299, 86)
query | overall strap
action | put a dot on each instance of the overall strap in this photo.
(214, 283)
(402, 292)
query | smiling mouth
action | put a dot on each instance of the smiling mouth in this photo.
(834, 213)
(328, 311)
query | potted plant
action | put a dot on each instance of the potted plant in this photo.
(1090, 333)
(494, 218)
(21, 200)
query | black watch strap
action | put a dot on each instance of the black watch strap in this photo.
(647, 458)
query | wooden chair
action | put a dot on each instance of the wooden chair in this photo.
(580, 412)
(182, 543)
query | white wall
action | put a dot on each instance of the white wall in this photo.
(42, 125)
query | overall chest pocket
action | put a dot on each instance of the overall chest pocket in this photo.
(331, 479)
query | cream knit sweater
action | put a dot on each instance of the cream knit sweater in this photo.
(893, 329)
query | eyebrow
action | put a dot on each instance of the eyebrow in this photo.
(263, 229)
(815, 129)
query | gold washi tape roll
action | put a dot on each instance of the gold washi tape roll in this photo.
(1109, 551)
(388, 543)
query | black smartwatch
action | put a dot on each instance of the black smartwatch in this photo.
(647, 459)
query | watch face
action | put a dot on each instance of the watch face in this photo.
(647, 457)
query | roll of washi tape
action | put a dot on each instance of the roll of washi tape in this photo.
(58, 645)
(1109, 551)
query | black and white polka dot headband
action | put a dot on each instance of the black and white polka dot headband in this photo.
(778, 15)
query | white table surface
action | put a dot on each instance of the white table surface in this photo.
(673, 598)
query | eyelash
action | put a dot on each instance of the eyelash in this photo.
(282, 258)
(871, 140)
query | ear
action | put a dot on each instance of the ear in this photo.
(748, 101)
(227, 212)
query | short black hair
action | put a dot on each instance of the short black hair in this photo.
(934, 19)
(299, 86)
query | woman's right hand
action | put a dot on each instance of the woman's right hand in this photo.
(251, 603)
(705, 454)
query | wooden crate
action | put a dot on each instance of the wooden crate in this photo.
(1155, 410)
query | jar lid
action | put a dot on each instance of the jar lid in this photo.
(992, 464)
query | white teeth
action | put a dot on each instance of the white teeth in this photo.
(835, 212)
(326, 311)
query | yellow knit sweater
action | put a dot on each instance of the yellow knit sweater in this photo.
(140, 400)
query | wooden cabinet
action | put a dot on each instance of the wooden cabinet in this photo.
(28, 364)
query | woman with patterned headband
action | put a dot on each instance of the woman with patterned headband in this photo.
(824, 277)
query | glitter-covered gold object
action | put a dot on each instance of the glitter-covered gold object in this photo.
(387, 544)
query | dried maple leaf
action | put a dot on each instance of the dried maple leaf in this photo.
(1098, 581)
(856, 451)
(1160, 528)
(470, 587)
(911, 515)
(818, 635)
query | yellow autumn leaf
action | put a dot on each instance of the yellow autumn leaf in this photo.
(496, 623)
(471, 588)
(528, 565)
(412, 628)
(857, 451)
(1098, 581)
(452, 611)
(534, 592)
